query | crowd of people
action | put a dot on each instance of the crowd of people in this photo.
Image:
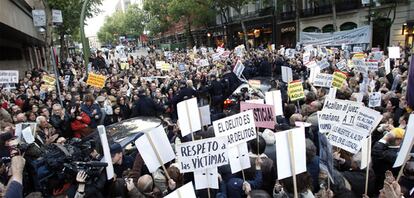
(136, 87)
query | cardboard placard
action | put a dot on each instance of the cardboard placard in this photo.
(49, 80)
(189, 120)
(393, 52)
(9, 76)
(202, 154)
(337, 112)
(158, 64)
(366, 120)
(406, 144)
(295, 90)
(96, 80)
(338, 79)
(239, 157)
(275, 98)
(186, 191)
(238, 69)
(346, 138)
(107, 154)
(323, 80)
(372, 66)
(287, 74)
(205, 115)
(255, 83)
(374, 99)
(237, 128)
(207, 178)
(263, 114)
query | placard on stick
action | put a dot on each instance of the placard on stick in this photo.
(107, 154)
(407, 143)
(275, 98)
(263, 114)
(283, 156)
(96, 80)
(237, 128)
(206, 178)
(186, 191)
(346, 138)
(338, 79)
(374, 99)
(239, 157)
(202, 154)
(9, 76)
(205, 115)
(155, 148)
(188, 116)
(295, 90)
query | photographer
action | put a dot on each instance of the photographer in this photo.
(15, 186)
(81, 179)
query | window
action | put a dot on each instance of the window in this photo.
(348, 26)
(311, 29)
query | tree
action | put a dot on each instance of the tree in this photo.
(193, 12)
(158, 19)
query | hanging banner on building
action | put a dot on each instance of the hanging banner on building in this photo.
(96, 80)
(355, 36)
(295, 90)
(9, 76)
(57, 16)
(263, 114)
(39, 18)
(202, 154)
(237, 128)
(338, 79)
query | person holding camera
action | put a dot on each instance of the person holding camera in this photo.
(15, 187)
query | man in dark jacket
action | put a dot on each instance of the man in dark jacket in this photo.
(145, 106)
(216, 92)
(99, 62)
(60, 120)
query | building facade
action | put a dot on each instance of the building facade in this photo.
(21, 44)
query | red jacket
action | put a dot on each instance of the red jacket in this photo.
(80, 124)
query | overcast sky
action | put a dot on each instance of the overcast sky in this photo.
(93, 24)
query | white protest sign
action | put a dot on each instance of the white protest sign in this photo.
(239, 50)
(186, 191)
(372, 66)
(207, 178)
(237, 128)
(337, 112)
(9, 76)
(202, 154)
(239, 157)
(298, 145)
(155, 148)
(323, 80)
(39, 18)
(256, 101)
(377, 55)
(107, 153)
(220, 50)
(387, 65)
(357, 49)
(287, 74)
(313, 72)
(158, 64)
(323, 64)
(205, 115)
(275, 98)
(346, 138)
(203, 62)
(332, 93)
(189, 120)
(359, 97)
(341, 65)
(374, 99)
(365, 152)
(216, 56)
(312, 64)
(366, 120)
(306, 57)
(393, 52)
(18, 132)
(238, 69)
(28, 135)
(407, 144)
(57, 16)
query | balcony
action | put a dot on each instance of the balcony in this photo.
(341, 6)
(287, 15)
(257, 13)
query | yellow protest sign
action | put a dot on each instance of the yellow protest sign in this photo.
(165, 67)
(124, 66)
(96, 80)
(49, 80)
(338, 79)
(295, 90)
(255, 83)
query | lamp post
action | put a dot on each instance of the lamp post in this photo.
(85, 45)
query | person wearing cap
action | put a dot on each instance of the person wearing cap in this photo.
(384, 154)
(120, 161)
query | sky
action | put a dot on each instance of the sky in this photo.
(94, 23)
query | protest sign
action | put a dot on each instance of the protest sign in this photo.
(325, 156)
(155, 148)
(341, 65)
(202, 154)
(67, 80)
(96, 80)
(186, 191)
(158, 64)
(323, 80)
(205, 115)
(28, 135)
(216, 56)
(387, 66)
(313, 72)
(372, 66)
(239, 157)
(407, 143)
(374, 99)
(337, 112)
(311, 64)
(285, 144)
(295, 90)
(207, 178)
(49, 80)
(181, 67)
(124, 66)
(203, 62)
(357, 49)
(107, 154)
(254, 83)
(239, 50)
(365, 152)
(377, 55)
(188, 116)
(256, 101)
(9, 76)
(287, 74)
(238, 69)
(166, 67)
(225, 54)
(275, 98)
(338, 79)
(393, 52)
(237, 128)
(263, 114)
(220, 50)
(366, 120)
(332, 93)
(346, 138)
(323, 64)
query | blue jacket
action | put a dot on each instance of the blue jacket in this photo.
(89, 110)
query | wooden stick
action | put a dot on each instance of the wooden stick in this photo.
(292, 163)
(208, 192)
(158, 155)
(189, 120)
(258, 141)
(367, 168)
(405, 161)
(238, 152)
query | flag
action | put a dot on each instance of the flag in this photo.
(410, 85)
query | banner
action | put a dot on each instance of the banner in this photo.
(338, 79)
(96, 80)
(49, 80)
(237, 128)
(263, 114)
(346, 138)
(295, 90)
(372, 66)
(323, 80)
(355, 36)
(337, 112)
(201, 154)
(9, 76)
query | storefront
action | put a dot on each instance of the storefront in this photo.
(408, 31)
(286, 35)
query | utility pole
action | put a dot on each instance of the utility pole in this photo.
(297, 21)
(85, 45)
(371, 25)
(335, 27)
